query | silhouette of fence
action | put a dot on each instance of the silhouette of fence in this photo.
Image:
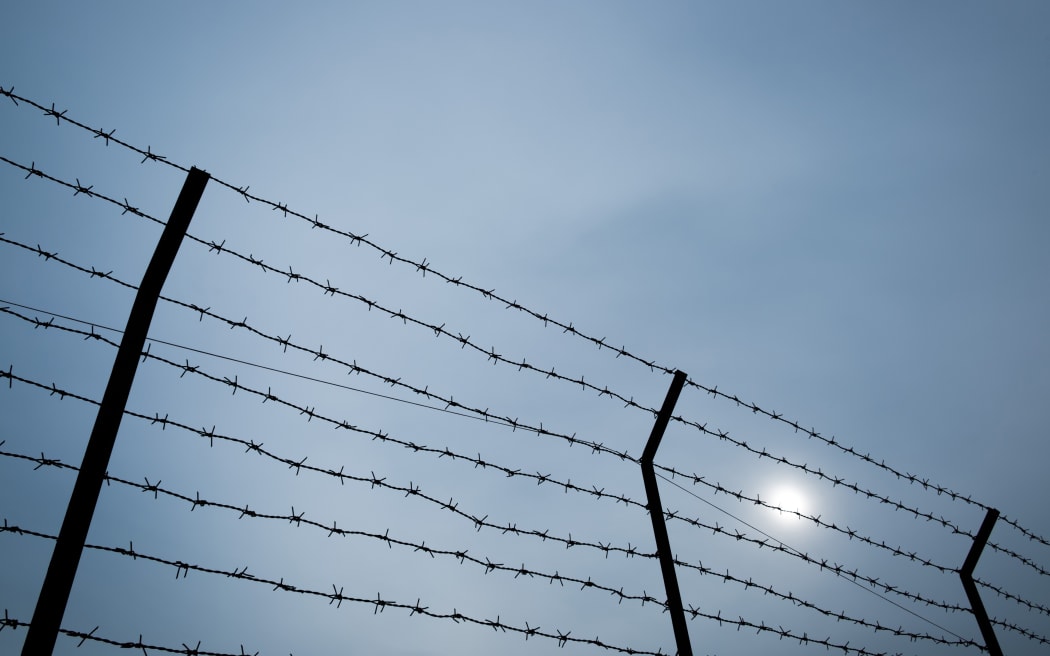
(900, 576)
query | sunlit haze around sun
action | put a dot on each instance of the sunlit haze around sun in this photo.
(791, 499)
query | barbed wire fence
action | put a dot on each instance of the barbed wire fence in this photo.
(516, 547)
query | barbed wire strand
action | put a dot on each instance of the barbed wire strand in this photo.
(87, 190)
(513, 529)
(257, 365)
(514, 423)
(298, 519)
(442, 452)
(14, 623)
(462, 556)
(716, 487)
(491, 354)
(899, 552)
(495, 357)
(416, 491)
(337, 596)
(740, 496)
(182, 569)
(787, 546)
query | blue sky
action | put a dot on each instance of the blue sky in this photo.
(836, 212)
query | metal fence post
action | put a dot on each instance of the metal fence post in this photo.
(54, 593)
(656, 514)
(966, 574)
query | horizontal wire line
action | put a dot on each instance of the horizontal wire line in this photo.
(896, 551)
(256, 364)
(570, 542)
(380, 604)
(299, 519)
(716, 487)
(412, 490)
(798, 551)
(14, 623)
(489, 565)
(1013, 627)
(852, 534)
(514, 423)
(176, 365)
(78, 188)
(87, 190)
(183, 568)
(423, 267)
(491, 354)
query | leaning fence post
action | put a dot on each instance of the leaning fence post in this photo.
(54, 593)
(966, 574)
(656, 514)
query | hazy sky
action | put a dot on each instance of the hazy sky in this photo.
(836, 212)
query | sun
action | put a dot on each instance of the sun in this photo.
(791, 500)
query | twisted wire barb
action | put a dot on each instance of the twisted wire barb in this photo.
(423, 267)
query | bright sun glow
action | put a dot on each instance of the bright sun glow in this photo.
(790, 499)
